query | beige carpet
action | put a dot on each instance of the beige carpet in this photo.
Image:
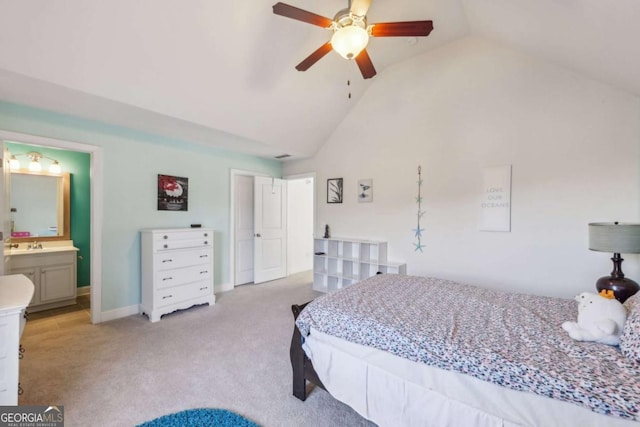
(234, 355)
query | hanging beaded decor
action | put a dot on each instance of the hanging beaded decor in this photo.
(418, 231)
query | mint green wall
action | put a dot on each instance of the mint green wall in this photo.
(78, 165)
(131, 161)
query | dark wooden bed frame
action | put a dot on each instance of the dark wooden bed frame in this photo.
(302, 367)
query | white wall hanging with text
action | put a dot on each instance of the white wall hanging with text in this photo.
(495, 205)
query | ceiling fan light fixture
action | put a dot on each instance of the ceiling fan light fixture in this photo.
(349, 41)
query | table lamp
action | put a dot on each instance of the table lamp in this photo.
(617, 238)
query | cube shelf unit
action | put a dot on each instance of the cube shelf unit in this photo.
(339, 262)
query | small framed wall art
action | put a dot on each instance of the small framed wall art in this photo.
(334, 190)
(365, 190)
(173, 193)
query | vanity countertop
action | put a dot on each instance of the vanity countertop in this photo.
(47, 247)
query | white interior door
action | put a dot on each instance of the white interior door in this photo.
(243, 229)
(5, 206)
(270, 234)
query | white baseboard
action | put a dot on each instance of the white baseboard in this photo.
(83, 290)
(118, 313)
(223, 287)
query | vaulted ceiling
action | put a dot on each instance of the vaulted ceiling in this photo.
(222, 72)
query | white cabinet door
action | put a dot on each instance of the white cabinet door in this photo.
(57, 282)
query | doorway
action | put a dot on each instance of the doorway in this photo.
(300, 223)
(95, 168)
(300, 219)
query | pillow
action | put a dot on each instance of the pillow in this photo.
(630, 338)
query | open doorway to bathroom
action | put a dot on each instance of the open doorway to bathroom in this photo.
(47, 213)
(92, 263)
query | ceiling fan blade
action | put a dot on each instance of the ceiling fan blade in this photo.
(365, 65)
(402, 29)
(301, 15)
(360, 7)
(314, 57)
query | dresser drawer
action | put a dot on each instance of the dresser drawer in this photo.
(5, 340)
(179, 276)
(165, 245)
(172, 236)
(178, 294)
(166, 260)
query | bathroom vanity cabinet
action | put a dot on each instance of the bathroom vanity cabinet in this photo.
(53, 273)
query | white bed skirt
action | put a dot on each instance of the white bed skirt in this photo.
(392, 391)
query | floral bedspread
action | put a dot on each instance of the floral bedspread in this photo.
(513, 340)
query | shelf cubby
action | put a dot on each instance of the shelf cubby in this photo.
(340, 262)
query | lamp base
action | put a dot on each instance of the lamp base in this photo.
(622, 287)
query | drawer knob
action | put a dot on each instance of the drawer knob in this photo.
(206, 234)
(167, 278)
(204, 256)
(206, 242)
(206, 287)
(167, 296)
(204, 272)
(165, 237)
(167, 260)
(166, 246)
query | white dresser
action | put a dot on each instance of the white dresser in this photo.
(16, 291)
(177, 270)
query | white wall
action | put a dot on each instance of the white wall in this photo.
(573, 144)
(299, 224)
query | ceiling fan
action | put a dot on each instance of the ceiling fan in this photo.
(351, 32)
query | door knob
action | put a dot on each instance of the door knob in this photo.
(258, 235)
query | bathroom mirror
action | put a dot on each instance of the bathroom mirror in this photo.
(39, 206)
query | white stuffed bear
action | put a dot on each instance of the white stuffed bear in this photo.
(600, 319)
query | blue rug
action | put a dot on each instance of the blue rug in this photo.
(200, 418)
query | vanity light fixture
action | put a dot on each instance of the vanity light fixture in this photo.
(34, 164)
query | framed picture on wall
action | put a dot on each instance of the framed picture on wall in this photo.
(173, 193)
(365, 190)
(334, 190)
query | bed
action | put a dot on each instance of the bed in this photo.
(414, 351)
